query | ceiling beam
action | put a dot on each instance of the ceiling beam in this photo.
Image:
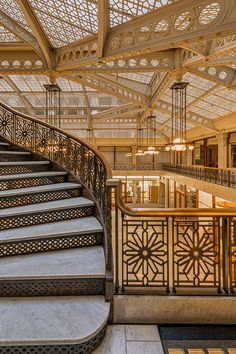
(108, 86)
(20, 32)
(192, 117)
(222, 75)
(21, 62)
(27, 103)
(73, 57)
(174, 26)
(126, 110)
(103, 25)
(39, 34)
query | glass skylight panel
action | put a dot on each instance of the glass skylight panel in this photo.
(124, 10)
(72, 100)
(12, 100)
(218, 111)
(66, 85)
(222, 102)
(229, 94)
(203, 112)
(12, 9)
(140, 77)
(4, 86)
(38, 100)
(27, 83)
(7, 36)
(66, 21)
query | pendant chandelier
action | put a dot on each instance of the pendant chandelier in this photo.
(139, 142)
(151, 135)
(53, 104)
(178, 118)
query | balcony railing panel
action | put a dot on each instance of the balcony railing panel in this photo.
(223, 177)
(174, 251)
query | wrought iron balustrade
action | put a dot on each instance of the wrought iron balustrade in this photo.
(74, 155)
(168, 251)
(223, 177)
(139, 167)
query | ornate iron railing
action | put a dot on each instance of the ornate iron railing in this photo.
(74, 155)
(138, 167)
(183, 251)
(223, 177)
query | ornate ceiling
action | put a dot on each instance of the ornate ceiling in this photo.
(116, 59)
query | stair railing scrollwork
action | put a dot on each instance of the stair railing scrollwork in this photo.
(71, 153)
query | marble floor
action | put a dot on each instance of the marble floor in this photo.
(145, 339)
(131, 339)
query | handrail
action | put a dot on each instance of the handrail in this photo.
(223, 177)
(69, 135)
(149, 212)
(205, 167)
(71, 153)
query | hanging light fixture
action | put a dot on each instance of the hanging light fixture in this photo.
(151, 135)
(178, 119)
(53, 104)
(139, 142)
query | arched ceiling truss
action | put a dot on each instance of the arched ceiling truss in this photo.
(115, 60)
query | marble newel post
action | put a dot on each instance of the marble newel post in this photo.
(222, 140)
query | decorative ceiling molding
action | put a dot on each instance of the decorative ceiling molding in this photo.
(175, 25)
(126, 111)
(222, 75)
(20, 62)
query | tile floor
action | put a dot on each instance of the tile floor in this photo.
(143, 339)
(131, 339)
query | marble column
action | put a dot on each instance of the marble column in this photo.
(222, 140)
(189, 157)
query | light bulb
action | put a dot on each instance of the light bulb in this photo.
(179, 144)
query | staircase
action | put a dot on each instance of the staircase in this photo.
(53, 252)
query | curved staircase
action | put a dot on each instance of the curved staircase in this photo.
(55, 262)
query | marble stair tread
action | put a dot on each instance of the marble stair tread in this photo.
(61, 204)
(13, 152)
(85, 262)
(23, 163)
(32, 175)
(39, 189)
(51, 320)
(87, 225)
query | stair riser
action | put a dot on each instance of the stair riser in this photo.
(30, 182)
(3, 148)
(38, 198)
(87, 347)
(12, 157)
(52, 287)
(50, 244)
(45, 217)
(11, 170)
